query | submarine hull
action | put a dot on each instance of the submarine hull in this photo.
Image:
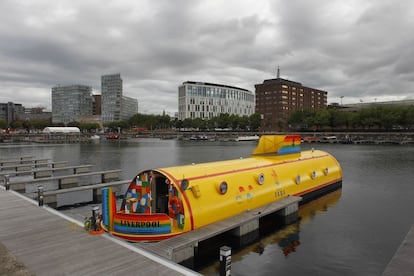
(174, 200)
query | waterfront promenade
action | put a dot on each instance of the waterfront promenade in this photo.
(49, 243)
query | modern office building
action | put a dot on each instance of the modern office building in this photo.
(71, 102)
(277, 99)
(129, 107)
(115, 106)
(10, 112)
(207, 100)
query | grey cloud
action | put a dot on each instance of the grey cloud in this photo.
(352, 48)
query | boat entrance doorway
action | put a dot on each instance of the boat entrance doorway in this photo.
(160, 186)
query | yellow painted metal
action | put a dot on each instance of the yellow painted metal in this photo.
(251, 182)
(270, 144)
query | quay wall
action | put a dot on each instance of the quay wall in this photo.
(351, 137)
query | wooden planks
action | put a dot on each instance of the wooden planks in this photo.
(50, 245)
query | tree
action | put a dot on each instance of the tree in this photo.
(255, 120)
(302, 119)
(16, 124)
(198, 123)
(88, 126)
(407, 118)
(223, 120)
(280, 124)
(187, 123)
(234, 121)
(73, 124)
(3, 124)
(321, 118)
(117, 125)
(337, 118)
(244, 122)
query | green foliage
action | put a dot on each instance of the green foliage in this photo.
(150, 122)
(372, 118)
(117, 124)
(255, 121)
(3, 124)
(222, 121)
(88, 126)
(73, 124)
(16, 124)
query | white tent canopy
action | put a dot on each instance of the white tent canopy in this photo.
(61, 130)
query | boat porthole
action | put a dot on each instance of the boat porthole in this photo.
(298, 179)
(223, 187)
(261, 179)
(326, 171)
(313, 175)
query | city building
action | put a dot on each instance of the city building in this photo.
(37, 114)
(277, 99)
(360, 105)
(207, 100)
(71, 102)
(129, 107)
(9, 112)
(97, 105)
(115, 106)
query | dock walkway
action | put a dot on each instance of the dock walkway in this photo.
(47, 243)
(403, 262)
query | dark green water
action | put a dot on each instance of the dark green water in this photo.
(354, 231)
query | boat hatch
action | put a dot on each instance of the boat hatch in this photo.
(152, 192)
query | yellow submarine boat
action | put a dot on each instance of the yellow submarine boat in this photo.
(165, 202)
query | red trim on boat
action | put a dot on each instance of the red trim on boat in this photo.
(318, 187)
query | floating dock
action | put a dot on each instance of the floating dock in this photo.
(185, 246)
(48, 244)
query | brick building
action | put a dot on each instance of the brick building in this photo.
(277, 99)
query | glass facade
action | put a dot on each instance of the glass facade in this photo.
(129, 107)
(111, 91)
(71, 102)
(115, 106)
(208, 100)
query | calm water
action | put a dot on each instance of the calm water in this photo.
(354, 231)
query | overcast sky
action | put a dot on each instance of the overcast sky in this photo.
(362, 50)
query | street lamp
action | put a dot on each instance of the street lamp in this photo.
(341, 98)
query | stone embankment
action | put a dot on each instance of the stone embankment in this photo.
(322, 137)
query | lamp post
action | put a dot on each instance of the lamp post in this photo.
(341, 98)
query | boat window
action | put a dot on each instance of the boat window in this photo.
(223, 187)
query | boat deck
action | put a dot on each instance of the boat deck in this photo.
(47, 243)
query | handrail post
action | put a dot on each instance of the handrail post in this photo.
(40, 195)
(94, 221)
(225, 260)
(7, 182)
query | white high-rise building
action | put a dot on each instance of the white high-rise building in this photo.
(208, 100)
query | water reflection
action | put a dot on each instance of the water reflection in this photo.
(277, 238)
